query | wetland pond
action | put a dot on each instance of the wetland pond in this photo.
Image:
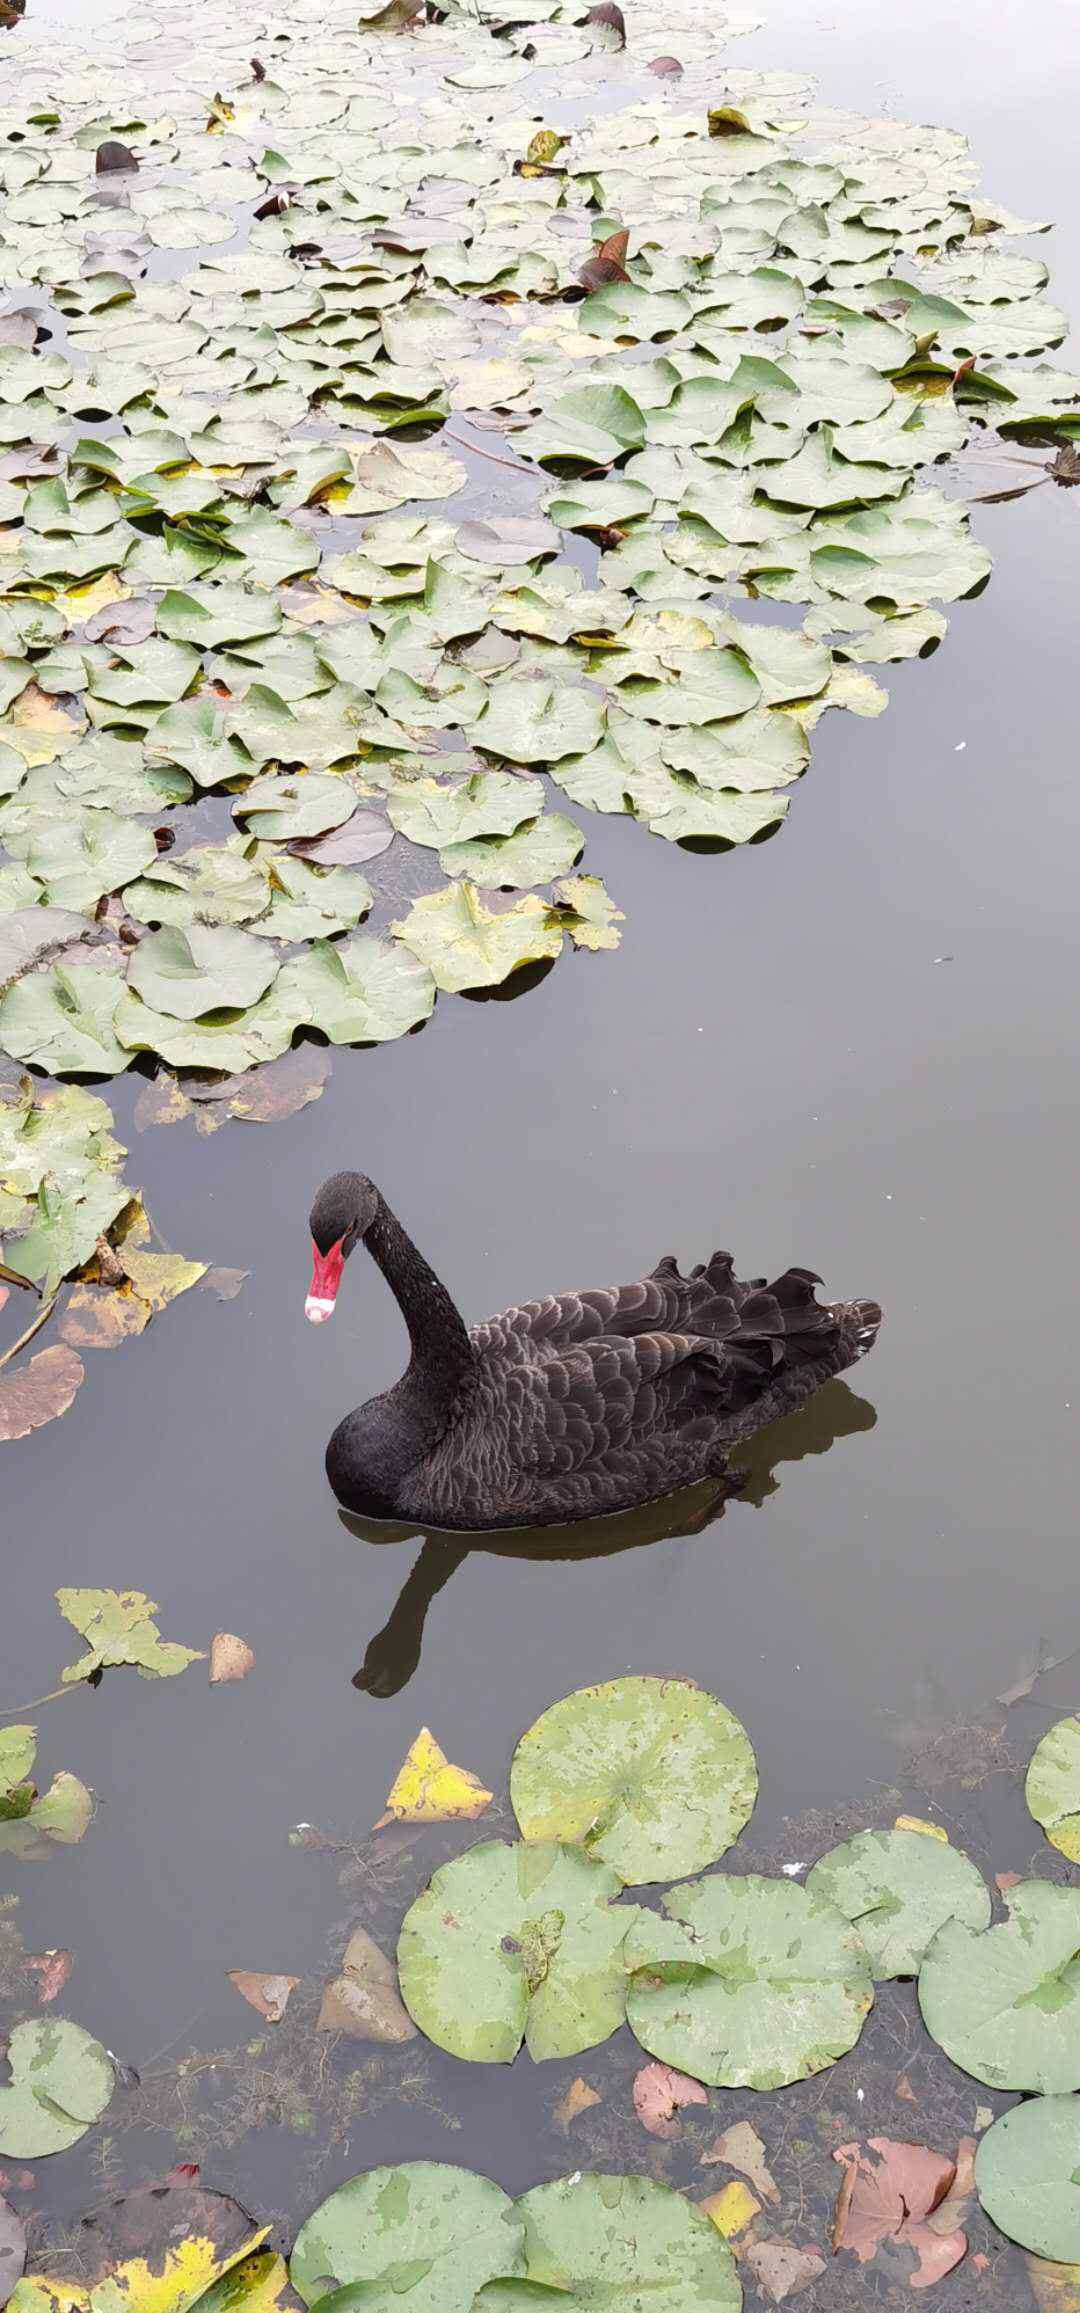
(842, 1033)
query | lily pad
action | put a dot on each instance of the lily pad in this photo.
(652, 1776)
(63, 1020)
(1005, 2005)
(424, 2229)
(536, 853)
(514, 1943)
(748, 1983)
(466, 944)
(359, 991)
(61, 2082)
(897, 1888)
(280, 806)
(207, 968)
(621, 2242)
(1027, 2174)
(1052, 1789)
(118, 1626)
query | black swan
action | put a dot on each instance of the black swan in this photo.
(573, 1406)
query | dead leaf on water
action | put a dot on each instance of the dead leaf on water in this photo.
(740, 2147)
(578, 2099)
(161, 1102)
(226, 1283)
(12, 2249)
(1055, 2288)
(781, 2268)
(98, 1317)
(159, 1277)
(282, 1087)
(269, 1994)
(363, 1998)
(659, 2093)
(731, 2210)
(427, 1789)
(890, 2189)
(38, 1392)
(52, 1970)
(230, 1658)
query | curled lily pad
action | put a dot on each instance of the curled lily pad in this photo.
(536, 853)
(1027, 2174)
(230, 1040)
(621, 2242)
(205, 968)
(1005, 2004)
(64, 1020)
(747, 1983)
(280, 806)
(213, 883)
(490, 803)
(897, 1888)
(438, 2232)
(653, 1776)
(514, 1943)
(1052, 1789)
(61, 2081)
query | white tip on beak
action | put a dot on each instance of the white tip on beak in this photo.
(318, 1310)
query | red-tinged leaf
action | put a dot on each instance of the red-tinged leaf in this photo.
(3, 1295)
(952, 2213)
(781, 2268)
(52, 1970)
(258, 70)
(659, 2093)
(1006, 1879)
(889, 2192)
(230, 1658)
(937, 2253)
(607, 16)
(269, 1994)
(362, 837)
(607, 262)
(905, 2090)
(36, 1393)
(666, 67)
(113, 155)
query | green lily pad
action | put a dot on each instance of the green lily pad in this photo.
(466, 944)
(1005, 2005)
(898, 1888)
(513, 1943)
(118, 1627)
(78, 859)
(213, 883)
(359, 991)
(205, 968)
(490, 803)
(747, 1983)
(536, 853)
(230, 1040)
(425, 2230)
(1027, 2175)
(63, 1020)
(536, 721)
(1052, 1789)
(61, 2081)
(652, 1776)
(309, 902)
(280, 806)
(621, 2242)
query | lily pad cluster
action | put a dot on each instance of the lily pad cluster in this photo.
(32, 1821)
(458, 2244)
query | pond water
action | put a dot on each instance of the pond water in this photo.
(853, 1046)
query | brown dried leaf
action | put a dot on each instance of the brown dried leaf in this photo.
(36, 1393)
(12, 2250)
(269, 1994)
(954, 2211)
(230, 1658)
(659, 2093)
(98, 1317)
(578, 2098)
(161, 1102)
(888, 2192)
(666, 67)
(226, 1283)
(113, 155)
(52, 1970)
(282, 1087)
(781, 2268)
(740, 2147)
(364, 1999)
(1055, 2288)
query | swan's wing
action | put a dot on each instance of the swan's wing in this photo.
(712, 1304)
(570, 1410)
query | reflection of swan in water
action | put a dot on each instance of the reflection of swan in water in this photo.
(394, 1652)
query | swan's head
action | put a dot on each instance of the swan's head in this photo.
(342, 1213)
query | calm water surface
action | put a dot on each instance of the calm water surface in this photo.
(853, 1046)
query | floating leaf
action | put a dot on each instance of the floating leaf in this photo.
(230, 1657)
(35, 1393)
(63, 1020)
(60, 2082)
(466, 944)
(442, 2229)
(740, 2147)
(654, 1776)
(118, 1628)
(748, 1983)
(269, 1994)
(890, 2190)
(359, 991)
(1003, 2004)
(897, 1888)
(363, 1998)
(1052, 1789)
(206, 968)
(427, 1789)
(659, 2093)
(1026, 2171)
(620, 2242)
(514, 1943)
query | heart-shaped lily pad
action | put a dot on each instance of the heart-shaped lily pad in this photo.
(898, 1888)
(425, 2230)
(1005, 2005)
(617, 2242)
(206, 968)
(61, 2081)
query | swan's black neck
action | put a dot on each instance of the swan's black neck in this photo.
(442, 1354)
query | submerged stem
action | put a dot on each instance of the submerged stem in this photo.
(43, 1315)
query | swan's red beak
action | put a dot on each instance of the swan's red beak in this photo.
(325, 1279)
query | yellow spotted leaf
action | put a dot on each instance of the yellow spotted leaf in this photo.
(99, 1316)
(732, 2209)
(159, 1277)
(427, 1789)
(918, 1823)
(175, 2283)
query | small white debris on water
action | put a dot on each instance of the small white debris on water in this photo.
(959, 748)
(791, 1870)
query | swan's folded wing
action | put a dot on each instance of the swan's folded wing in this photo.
(576, 1407)
(711, 1304)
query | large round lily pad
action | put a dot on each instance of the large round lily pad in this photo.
(61, 2081)
(898, 1888)
(203, 968)
(618, 2242)
(1027, 2173)
(424, 2233)
(1005, 2005)
(653, 1776)
(748, 1983)
(1052, 1789)
(515, 1942)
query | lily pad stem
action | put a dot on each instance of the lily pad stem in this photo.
(44, 1313)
